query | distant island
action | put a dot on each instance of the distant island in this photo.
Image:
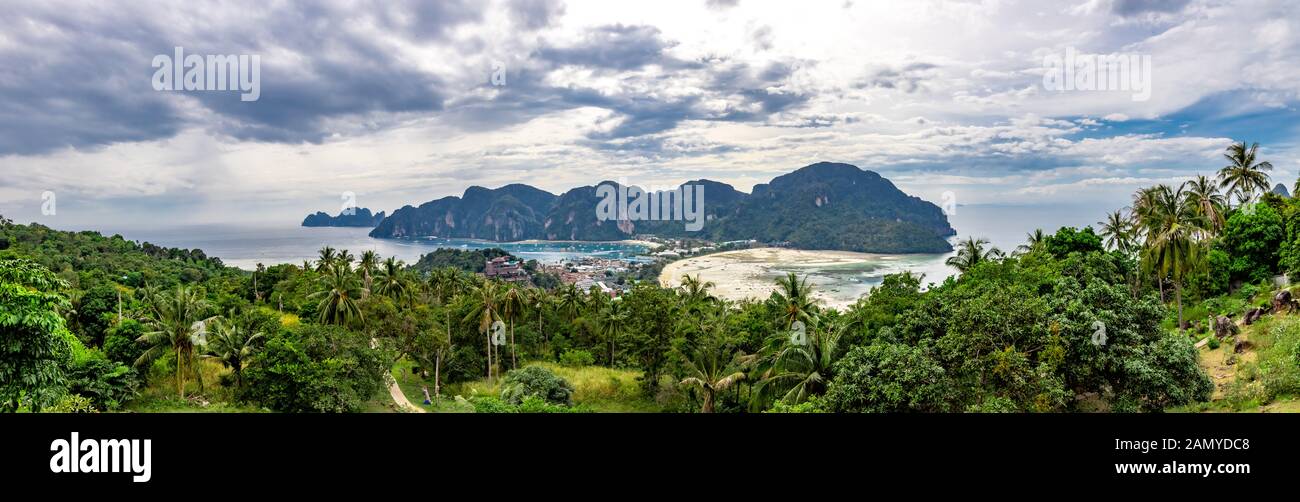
(826, 205)
(360, 217)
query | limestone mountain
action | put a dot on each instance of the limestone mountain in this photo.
(820, 206)
(360, 217)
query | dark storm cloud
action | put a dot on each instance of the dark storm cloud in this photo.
(535, 14)
(755, 93)
(908, 78)
(79, 76)
(1132, 7)
(614, 47)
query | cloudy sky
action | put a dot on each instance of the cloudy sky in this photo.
(396, 102)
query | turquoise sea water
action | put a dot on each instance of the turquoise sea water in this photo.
(245, 247)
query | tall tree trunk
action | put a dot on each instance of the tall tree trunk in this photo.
(512, 346)
(1178, 295)
(180, 375)
(489, 356)
(708, 402)
(437, 374)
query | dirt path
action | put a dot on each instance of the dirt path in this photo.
(400, 398)
(1216, 364)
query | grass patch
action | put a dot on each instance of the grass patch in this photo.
(597, 388)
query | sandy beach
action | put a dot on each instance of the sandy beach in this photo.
(839, 278)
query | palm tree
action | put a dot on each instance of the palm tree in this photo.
(794, 299)
(1117, 229)
(338, 303)
(257, 294)
(326, 259)
(696, 292)
(537, 299)
(445, 283)
(176, 321)
(710, 375)
(1243, 176)
(345, 259)
(1172, 248)
(512, 305)
(971, 252)
(392, 282)
(483, 310)
(1206, 201)
(798, 371)
(369, 263)
(569, 300)
(233, 345)
(613, 318)
(1033, 240)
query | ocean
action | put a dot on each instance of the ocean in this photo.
(245, 246)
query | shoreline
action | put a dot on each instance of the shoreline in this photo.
(839, 278)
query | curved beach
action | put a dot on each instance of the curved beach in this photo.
(839, 278)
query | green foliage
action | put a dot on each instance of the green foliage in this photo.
(1071, 240)
(74, 403)
(120, 341)
(530, 404)
(1253, 239)
(37, 345)
(107, 384)
(814, 405)
(316, 368)
(465, 260)
(535, 381)
(575, 358)
(888, 377)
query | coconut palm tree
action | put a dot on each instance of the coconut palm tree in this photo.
(367, 267)
(176, 321)
(483, 304)
(613, 319)
(1244, 176)
(569, 300)
(391, 280)
(338, 296)
(326, 259)
(696, 292)
(231, 344)
(710, 375)
(1172, 246)
(345, 259)
(512, 305)
(798, 371)
(971, 252)
(257, 294)
(793, 298)
(1033, 240)
(1117, 230)
(1206, 202)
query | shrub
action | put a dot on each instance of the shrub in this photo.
(574, 358)
(316, 368)
(106, 384)
(536, 381)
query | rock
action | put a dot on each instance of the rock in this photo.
(1224, 327)
(1283, 299)
(1255, 314)
(1241, 346)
